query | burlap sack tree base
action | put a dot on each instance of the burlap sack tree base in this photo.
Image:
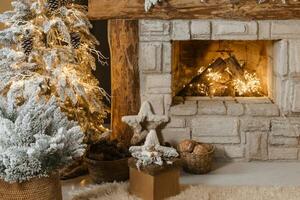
(46, 188)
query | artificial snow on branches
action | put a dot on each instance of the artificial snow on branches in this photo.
(49, 42)
(150, 3)
(36, 139)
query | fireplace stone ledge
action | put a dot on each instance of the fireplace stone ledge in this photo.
(270, 110)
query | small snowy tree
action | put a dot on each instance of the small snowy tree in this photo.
(36, 139)
(48, 50)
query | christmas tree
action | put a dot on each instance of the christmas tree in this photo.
(47, 49)
(36, 139)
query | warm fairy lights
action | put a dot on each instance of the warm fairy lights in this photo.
(251, 84)
(223, 77)
(61, 49)
(214, 76)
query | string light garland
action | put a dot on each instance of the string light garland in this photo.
(223, 77)
(48, 44)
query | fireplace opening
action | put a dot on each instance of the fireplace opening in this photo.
(221, 68)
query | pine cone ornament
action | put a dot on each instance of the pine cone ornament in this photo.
(27, 45)
(53, 5)
(64, 2)
(75, 39)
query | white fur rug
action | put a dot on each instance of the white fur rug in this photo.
(119, 191)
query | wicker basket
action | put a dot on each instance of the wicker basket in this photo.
(198, 164)
(108, 171)
(46, 188)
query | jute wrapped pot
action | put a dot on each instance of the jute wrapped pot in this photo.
(45, 188)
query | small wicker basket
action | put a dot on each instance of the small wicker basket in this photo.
(45, 188)
(198, 164)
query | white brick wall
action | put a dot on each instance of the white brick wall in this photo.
(181, 30)
(257, 146)
(294, 56)
(234, 30)
(211, 108)
(215, 126)
(296, 98)
(150, 59)
(201, 29)
(244, 128)
(277, 153)
(285, 29)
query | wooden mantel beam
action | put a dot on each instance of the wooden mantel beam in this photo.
(194, 9)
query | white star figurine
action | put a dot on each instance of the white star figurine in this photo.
(144, 125)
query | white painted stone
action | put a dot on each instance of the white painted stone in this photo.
(217, 140)
(280, 57)
(215, 126)
(277, 153)
(285, 29)
(150, 56)
(296, 98)
(294, 56)
(175, 135)
(154, 30)
(243, 137)
(234, 109)
(219, 152)
(176, 122)
(264, 30)
(291, 100)
(262, 109)
(154, 27)
(277, 140)
(190, 102)
(281, 93)
(158, 83)
(181, 30)
(234, 151)
(211, 108)
(155, 38)
(167, 57)
(157, 102)
(256, 100)
(184, 109)
(257, 146)
(167, 103)
(234, 30)
(289, 127)
(252, 124)
(201, 29)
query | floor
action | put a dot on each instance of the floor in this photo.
(255, 173)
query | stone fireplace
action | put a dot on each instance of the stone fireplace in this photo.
(235, 84)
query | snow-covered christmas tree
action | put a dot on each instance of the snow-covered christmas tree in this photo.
(49, 50)
(36, 139)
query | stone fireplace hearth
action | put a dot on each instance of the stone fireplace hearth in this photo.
(242, 128)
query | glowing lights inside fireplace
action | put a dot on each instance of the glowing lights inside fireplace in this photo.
(221, 68)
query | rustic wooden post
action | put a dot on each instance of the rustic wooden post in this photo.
(123, 39)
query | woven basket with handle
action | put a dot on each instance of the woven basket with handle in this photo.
(45, 188)
(198, 164)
